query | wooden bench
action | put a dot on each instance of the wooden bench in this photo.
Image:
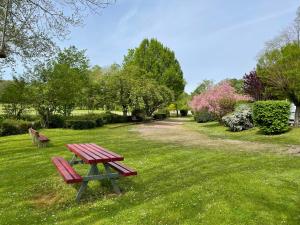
(69, 175)
(122, 169)
(38, 138)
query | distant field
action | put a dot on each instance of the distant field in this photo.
(75, 112)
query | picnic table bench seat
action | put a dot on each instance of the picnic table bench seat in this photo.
(69, 175)
(122, 169)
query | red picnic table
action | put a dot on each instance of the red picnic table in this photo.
(93, 155)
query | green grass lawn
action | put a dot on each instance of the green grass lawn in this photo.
(176, 184)
(215, 130)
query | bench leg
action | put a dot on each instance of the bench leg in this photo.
(112, 181)
(81, 190)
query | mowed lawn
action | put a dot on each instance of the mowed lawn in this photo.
(176, 184)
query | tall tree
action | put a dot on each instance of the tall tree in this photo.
(32, 26)
(280, 71)
(202, 87)
(159, 64)
(57, 86)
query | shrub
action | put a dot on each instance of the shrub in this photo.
(56, 121)
(97, 118)
(272, 116)
(161, 114)
(109, 117)
(183, 112)
(240, 119)
(203, 116)
(12, 127)
(137, 115)
(80, 124)
(218, 100)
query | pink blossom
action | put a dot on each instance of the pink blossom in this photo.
(219, 99)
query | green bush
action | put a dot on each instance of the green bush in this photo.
(80, 124)
(98, 118)
(240, 119)
(160, 116)
(137, 115)
(203, 116)
(56, 121)
(12, 127)
(272, 116)
(109, 117)
(183, 112)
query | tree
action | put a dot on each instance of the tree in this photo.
(15, 97)
(253, 86)
(33, 26)
(280, 71)
(57, 86)
(153, 95)
(237, 84)
(202, 87)
(183, 100)
(218, 100)
(158, 63)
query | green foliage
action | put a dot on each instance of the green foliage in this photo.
(80, 124)
(279, 70)
(158, 63)
(203, 116)
(272, 116)
(161, 114)
(12, 127)
(183, 112)
(237, 84)
(56, 121)
(16, 98)
(240, 119)
(202, 87)
(97, 118)
(57, 86)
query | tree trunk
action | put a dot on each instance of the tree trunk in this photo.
(296, 122)
(124, 111)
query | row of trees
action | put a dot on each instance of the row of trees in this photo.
(149, 78)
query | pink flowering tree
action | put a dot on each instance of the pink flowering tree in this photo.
(219, 100)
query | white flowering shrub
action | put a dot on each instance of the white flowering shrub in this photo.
(240, 119)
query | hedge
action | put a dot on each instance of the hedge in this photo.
(272, 116)
(80, 124)
(12, 127)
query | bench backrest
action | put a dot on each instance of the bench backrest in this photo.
(33, 132)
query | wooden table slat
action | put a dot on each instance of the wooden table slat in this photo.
(81, 154)
(92, 153)
(86, 151)
(102, 156)
(107, 152)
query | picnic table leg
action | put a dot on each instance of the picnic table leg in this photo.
(75, 160)
(93, 171)
(81, 190)
(112, 181)
(72, 161)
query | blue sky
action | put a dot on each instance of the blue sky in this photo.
(212, 39)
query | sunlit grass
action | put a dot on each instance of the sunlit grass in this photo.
(175, 184)
(215, 130)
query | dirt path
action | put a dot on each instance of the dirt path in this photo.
(175, 132)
